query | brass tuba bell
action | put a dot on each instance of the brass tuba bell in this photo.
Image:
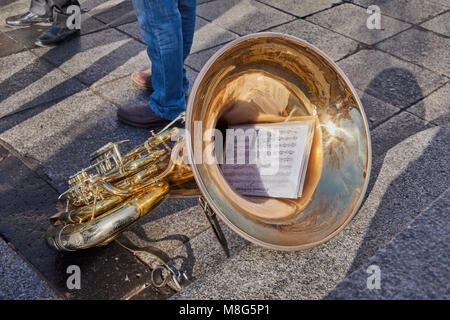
(264, 77)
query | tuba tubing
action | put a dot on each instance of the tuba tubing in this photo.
(67, 235)
(101, 230)
(258, 78)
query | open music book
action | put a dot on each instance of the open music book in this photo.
(268, 159)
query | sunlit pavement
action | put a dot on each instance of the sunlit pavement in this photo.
(58, 104)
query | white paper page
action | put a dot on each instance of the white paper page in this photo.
(306, 156)
(279, 173)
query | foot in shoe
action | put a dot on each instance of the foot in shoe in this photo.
(28, 19)
(142, 79)
(141, 116)
(54, 35)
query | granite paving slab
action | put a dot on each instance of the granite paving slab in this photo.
(376, 110)
(242, 17)
(18, 280)
(197, 60)
(204, 252)
(169, 229)
(98, 57)
(351, 20)
(421, 47)
(27, 35)
(439, 24)
(109, 272)
(435, 107)
(115, 15)
(185, 235)
(3, 153)
(390, 79)
(192, 76)
(412, 11)
(9, 46)
(391, 133)
(90, 24)
(408, 171)
(4, 3)
(415, 265)
(206, 34)
(124, 92)
(334, 45)
(26, 82)
(60, 136)
(443, 2)
(132, 29)
(301, 8)
(95, 6)
(209, 35)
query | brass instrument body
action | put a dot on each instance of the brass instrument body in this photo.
(121, 190)
(270, 77)
(265, 77)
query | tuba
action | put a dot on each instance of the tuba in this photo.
(259, 78)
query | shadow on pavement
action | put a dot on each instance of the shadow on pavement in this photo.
(415, 186)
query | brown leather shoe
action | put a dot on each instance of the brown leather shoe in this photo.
(142, 79)
(140, 116)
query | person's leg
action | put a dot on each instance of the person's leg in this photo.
(41, 8)
(187, 10)
(161, 28)
(60, 14)
(59, 30)
(40, 13)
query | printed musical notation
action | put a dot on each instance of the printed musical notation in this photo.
(274, 166)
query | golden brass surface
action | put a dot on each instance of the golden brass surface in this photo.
(115, 191)
(264, 77)
(270, 77)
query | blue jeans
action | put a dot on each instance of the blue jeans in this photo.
(168, 29)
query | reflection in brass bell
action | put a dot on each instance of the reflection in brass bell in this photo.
(269, 77)
(260, 78)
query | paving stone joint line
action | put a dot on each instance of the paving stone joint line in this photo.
(399, 232)
(31, 266)
(419, 23)
(333, 5)
(29, 162)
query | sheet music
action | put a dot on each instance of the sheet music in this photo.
(275, 162)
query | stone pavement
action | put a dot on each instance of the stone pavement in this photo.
(58, 104)
(18, 280)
